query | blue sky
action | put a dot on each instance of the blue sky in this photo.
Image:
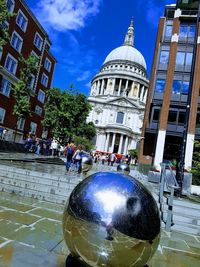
(83, 32)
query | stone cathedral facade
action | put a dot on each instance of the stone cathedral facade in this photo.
(118, 96)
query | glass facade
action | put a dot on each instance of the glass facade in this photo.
(160, 86)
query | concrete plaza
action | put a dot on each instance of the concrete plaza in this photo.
(31, 236)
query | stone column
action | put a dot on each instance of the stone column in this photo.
(145, 95)
(126, 87)
(120, 144)
(126, 145)
(113, 86)
(102, 86)
(120, 85)
(113, 142)
(142, 93)
(131, 93)
(98, 87)
(107, 142)
(159, 149)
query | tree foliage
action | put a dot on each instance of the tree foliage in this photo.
(21, 90)
(65, 115)
(196, 164)
(4, 16)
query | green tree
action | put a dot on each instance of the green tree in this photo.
(21, 90)
(4, 16)
(65, 115)
(196, 164)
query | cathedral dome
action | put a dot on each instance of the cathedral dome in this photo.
(126, 53)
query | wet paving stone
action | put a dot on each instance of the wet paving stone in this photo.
(47, 213)
(15, 254)
(14, 205)
(18, 217)
(7, 228)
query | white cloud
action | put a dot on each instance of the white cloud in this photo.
(62, 15)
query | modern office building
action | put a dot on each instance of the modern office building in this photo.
(118, 96)
(27, 36)
(165, 120)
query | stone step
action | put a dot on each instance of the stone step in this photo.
(186, 228)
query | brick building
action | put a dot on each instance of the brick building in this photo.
(169, 89)
(27, 36)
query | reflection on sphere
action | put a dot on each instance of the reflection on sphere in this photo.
(123, 168)
(111, 220)
(86, 162)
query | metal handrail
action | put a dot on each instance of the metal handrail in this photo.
(172, 185)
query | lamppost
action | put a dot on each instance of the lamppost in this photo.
(182, 150)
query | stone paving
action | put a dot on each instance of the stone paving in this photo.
(31, 235)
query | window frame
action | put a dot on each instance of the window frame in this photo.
(117, 118)
(38, 96)
(21, 122)
(44, 78)
(49, 64)
(40, 109)
(20, 38)
(13, 6)
(9, 85)
(34, 127)
(14, 59)
(25, 18)
(34, 41)
(4, 113)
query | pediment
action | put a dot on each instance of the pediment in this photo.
(123, 102)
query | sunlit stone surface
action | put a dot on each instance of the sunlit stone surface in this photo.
(111, 220)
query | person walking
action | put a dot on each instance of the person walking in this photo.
(77, 158)
(69, 152)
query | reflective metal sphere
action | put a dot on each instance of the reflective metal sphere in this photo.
(123, 168)
(111, 219)
(87, 162)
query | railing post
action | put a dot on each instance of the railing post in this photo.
(169, 221)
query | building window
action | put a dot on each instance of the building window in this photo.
(2, 114)
(180, 87)
(120, 117)
(38, 41)
(160, 86)
(187, 33)
(96, 122)
(41, 96)
(183, 61)
(11, 64)
(168, 32)
(47, 64)
(163, 60)
(44, 80)
(38, 110)
(33, 127)
(16, 41)
(20, 124)
(5, 87)
(21, 20)
(172, 117)
(10, 5)
(156, 115)
(31, 81)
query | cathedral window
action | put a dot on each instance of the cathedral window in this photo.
(120, 117)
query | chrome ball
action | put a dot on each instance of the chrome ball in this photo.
(86, 162)
(111, 219)
(123, 168)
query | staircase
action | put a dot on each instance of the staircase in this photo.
(57, 188)
(186, 216)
